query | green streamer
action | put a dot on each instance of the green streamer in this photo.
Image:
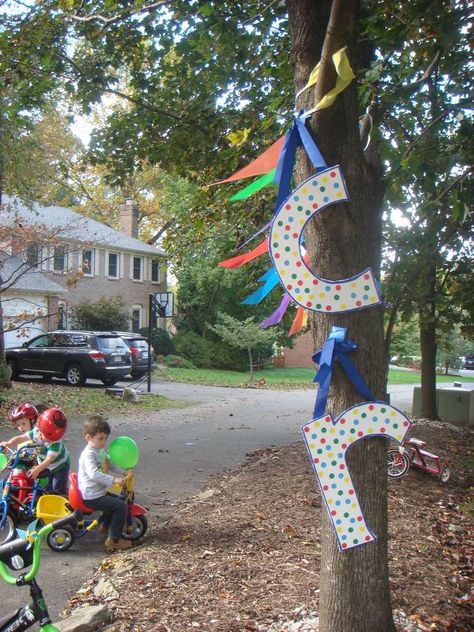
(256, 185)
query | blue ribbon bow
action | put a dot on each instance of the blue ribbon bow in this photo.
(336, 347)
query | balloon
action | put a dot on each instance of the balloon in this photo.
(123, 452)
(3, 460)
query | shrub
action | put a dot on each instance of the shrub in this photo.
(161, 341)
(194, 348)
(209, 354)
(105, 314)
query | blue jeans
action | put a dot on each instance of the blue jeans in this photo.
(115, 513)
(59, 480)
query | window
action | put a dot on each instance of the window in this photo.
(136, 317)
(113, 265)
(41, 341)
(137, 269)
(88, 262)
(155, 271)
(32, 255)
(59, 259)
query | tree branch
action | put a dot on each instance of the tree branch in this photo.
(120, 16)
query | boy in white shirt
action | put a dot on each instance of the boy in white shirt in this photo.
(93, 481)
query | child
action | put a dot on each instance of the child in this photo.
(24, 417)
(93, 482)
(50, 428)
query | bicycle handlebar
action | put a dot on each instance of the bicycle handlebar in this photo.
(15, 547)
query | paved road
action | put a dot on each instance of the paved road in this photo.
(179, 450)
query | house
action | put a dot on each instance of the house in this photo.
(74, 258)
(300, 355)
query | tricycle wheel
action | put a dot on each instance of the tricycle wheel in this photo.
(7, 530)
(398, 463)
(445, 474)
(136, 528)
(61, 539)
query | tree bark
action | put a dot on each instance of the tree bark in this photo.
(427, 318)
(342, 241)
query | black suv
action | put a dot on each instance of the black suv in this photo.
(469, 361)
(139, 349)
(72, 355)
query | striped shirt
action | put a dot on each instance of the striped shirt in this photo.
(57, 450)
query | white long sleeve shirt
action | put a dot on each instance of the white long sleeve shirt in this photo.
(93, 481)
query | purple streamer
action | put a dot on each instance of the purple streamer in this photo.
(278, 314)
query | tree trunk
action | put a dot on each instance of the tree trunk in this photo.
(249, 352)
(342, 241)
(429, 408)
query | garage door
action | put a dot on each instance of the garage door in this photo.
(30, 305)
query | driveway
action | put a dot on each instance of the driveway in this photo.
(179, 451)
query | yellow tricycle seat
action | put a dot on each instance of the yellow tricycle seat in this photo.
(50, 508)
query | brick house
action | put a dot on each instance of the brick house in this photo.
(300, 355)
(83, 259)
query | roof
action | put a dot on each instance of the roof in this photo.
(13, 268)
(73, 225)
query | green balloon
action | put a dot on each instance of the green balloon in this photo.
(3, 460)
(123, 452)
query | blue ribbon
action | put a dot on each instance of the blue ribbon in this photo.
(336, 347)
(297, 135)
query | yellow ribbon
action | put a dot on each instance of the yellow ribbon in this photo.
(344, 76)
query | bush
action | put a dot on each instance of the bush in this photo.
(105, 314)
(209, 354)
(161, 341)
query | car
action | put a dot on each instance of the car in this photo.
(469, 361)
(72, 355)
(139, 349)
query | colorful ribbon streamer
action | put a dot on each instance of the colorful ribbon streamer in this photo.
(276, 316)
(263, 164)
(336, 347)
(240, 260)
(344, 73)
(260, 183)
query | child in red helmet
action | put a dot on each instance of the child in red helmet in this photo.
(24, 417)
(50, 428)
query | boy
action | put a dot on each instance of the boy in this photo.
(93, 482)
(24, 417)
(50, 428)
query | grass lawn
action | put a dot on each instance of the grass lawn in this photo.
(75, 400)
(276, 378)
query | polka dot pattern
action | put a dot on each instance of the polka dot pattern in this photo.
(304, 287)
(327, 442)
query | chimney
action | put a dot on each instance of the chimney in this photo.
(129, 218)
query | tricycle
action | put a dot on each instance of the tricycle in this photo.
(61, 539)
(19, 492)
(412, 453)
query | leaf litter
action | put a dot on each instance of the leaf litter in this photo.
(244, 554)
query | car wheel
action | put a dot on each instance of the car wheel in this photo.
(110, 381)
(74, 375)
(14, 370)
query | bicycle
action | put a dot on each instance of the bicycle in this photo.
(411, 453)
(22, 553)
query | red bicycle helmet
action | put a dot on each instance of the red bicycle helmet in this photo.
(52, 423)
(24, 410)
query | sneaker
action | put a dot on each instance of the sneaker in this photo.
(118, 545)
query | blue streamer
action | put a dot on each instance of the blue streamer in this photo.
(336, 347)
(269, 280)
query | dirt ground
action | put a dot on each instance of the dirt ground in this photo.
(244, 554)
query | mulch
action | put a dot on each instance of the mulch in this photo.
(244, 554)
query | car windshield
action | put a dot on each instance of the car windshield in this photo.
(110, 343)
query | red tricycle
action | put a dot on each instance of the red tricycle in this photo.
(412, 453)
